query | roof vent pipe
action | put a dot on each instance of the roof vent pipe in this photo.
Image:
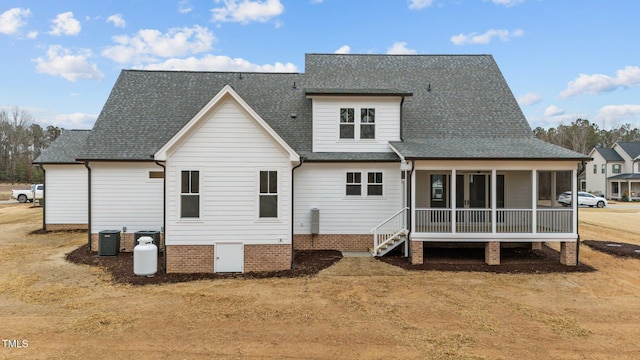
(240, 76)
(294, 85)
(429, 87)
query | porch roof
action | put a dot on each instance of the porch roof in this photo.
(625, 177)
(470, 148)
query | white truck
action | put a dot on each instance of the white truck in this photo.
(36, 192)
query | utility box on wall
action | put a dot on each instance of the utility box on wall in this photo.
(315, 221)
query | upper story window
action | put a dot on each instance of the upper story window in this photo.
(347, 123)
(604, 168)
(617, 168)
(368, 123)
(190, 194)
(363, 128)
(595, 169)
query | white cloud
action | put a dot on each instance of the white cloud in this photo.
(475, 38)
(316, 1)
(150, 45)
(400, 48)
(220, 63)
(61, 62)
(65, 24)
(32, 34)
(344, 49)
(553, 111)
(74, 121)
(246, 11)
(419, 4)
(507, 3)
(598, 83)
(184, 7)
(619, 113)
(531, 98)
(12, 20)
(117, 20)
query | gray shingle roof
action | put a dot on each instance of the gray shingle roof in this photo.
(457, 97)
(631, 148)
(609, 154)
(65, 149)
(483, 148)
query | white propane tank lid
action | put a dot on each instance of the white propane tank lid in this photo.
(145, 240)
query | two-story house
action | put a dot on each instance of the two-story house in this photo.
(359, 152)
(615, 172)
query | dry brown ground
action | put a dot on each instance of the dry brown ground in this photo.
(358, 308)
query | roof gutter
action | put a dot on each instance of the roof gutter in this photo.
(401, 111)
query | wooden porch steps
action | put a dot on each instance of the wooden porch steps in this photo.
(390, 244)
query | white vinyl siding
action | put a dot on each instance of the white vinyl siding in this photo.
(230, 149)
(322, 186)
(123, 195)
(596, 181)
(66, 194)
(327, 123)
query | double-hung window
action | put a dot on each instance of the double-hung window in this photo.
(367, 123)
(190, 194)
(617, 168)
(354, 184)
(604, 168)
(595, 168)
(347, 123)
(268, 198)
(374, 184)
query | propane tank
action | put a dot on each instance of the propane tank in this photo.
(145, 257)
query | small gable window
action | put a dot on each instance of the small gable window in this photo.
(604, 168)
(367, 123)
(595, 169)
(347, 123)
(617, 169)
(190, 194)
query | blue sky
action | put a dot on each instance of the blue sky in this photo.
(563, 59)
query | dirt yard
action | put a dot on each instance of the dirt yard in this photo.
(358, 308)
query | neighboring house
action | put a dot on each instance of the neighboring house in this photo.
(615, 172)
(359, 152)
(65, 206)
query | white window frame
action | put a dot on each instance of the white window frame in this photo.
(260, 194)
(375, 182)
(357, 123)
(353, 183)
(595, 168)
(181, 194)
(368, 112)
(352, 124)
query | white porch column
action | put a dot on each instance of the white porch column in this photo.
(534, 201)
(629, 192)
(574, 198)
(454, 199)
(494, 202)
(413, 201)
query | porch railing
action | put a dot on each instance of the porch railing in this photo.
(391, 227)
(431, 220)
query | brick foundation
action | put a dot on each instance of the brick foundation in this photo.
(492, 253)
(64, 227)
(568, 253)
(267, 257)
(190, 258)
(417, 252)
(340, 242)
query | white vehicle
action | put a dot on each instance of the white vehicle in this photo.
(36, 192)
(584, 198)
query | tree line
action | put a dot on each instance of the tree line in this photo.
(582, 136)
(21, 142)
